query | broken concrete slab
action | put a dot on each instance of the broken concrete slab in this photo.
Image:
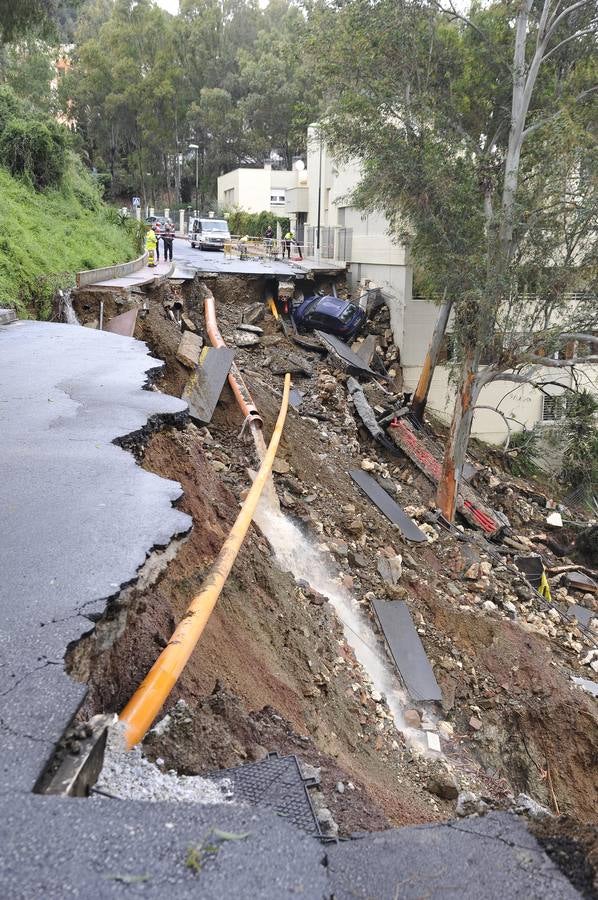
(204, 387)
(253, 314)
(189, 349)
(124, 324)
(584, 616)
(407, 649)
(590, 687)
(389, 507)
(79, 522)
(366, 349)
(350, 360)
(252, 329)
(7, 316)
(580, 582)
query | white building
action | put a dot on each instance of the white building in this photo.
(346, 233)
(256, 190)
(317, 199)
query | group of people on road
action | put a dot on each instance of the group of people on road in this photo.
(287, 241)
(153, 235)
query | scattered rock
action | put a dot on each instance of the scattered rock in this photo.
(469, 804)
(473, 573)
(280, 466)
(189, 349)
(525, 804)
(246, 338)
(368, 465)
(475, 723)
(390, 569)
(442, 784)
(252, 329)
(412, 718)
(188, 324)
(253, 313)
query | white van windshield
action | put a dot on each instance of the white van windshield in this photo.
(213, 225)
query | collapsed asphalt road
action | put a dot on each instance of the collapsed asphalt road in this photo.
(81, 520)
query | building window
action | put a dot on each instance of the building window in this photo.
(554, 407)
(278, 197)
(229, 197)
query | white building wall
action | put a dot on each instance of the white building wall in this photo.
(522, 403)
(374, 255)
(251, 189)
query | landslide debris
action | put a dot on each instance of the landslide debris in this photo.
(273, 670)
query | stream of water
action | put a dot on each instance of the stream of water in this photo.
(297, 554)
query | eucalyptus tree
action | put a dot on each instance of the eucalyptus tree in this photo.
(476, 135)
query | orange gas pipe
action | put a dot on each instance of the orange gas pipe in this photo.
(148, 699)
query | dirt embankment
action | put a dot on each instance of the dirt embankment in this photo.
(273, 671)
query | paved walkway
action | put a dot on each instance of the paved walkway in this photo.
(136, 279)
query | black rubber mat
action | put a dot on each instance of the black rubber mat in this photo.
(407, 649)
(276, 783)
(387, 505)
(205, 384)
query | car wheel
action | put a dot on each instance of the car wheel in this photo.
(193, 245)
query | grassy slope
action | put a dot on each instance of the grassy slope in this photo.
(47, 236)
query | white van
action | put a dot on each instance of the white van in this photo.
(208, 234)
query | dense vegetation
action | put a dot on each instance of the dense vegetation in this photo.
(54, 220)
(227, 76)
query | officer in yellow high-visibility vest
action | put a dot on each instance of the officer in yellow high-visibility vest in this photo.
(151, 242)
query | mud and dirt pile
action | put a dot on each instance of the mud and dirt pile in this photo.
(274, 670)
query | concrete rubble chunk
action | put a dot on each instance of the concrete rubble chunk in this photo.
(246, 338)
(189, 349)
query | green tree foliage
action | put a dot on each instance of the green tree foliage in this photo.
(35, 149)
(51, 17)
(255, 224)
(223, 74)
(580, 431)
(28, 68)
(475, 130)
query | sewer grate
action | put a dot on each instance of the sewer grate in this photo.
(276, 783)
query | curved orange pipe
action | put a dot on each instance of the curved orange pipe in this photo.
(148, 699)
(235, 379)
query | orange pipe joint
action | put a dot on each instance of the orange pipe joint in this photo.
(235, 379)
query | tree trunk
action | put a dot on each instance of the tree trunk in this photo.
(456, 448)
(420, 397)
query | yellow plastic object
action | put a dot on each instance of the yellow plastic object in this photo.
(272, 306)
(148, 699)
(544, 588)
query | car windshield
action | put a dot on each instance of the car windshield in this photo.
(348, 312)
(213, 225)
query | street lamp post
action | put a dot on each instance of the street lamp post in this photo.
(196, 148)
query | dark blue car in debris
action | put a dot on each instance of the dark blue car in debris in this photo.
(329, 314)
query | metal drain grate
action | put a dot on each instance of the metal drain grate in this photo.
(276, 783)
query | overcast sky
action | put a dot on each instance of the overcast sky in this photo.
(171, 5)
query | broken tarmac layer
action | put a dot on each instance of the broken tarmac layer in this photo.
(499, 658)
(225, 461)
(80, 521)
